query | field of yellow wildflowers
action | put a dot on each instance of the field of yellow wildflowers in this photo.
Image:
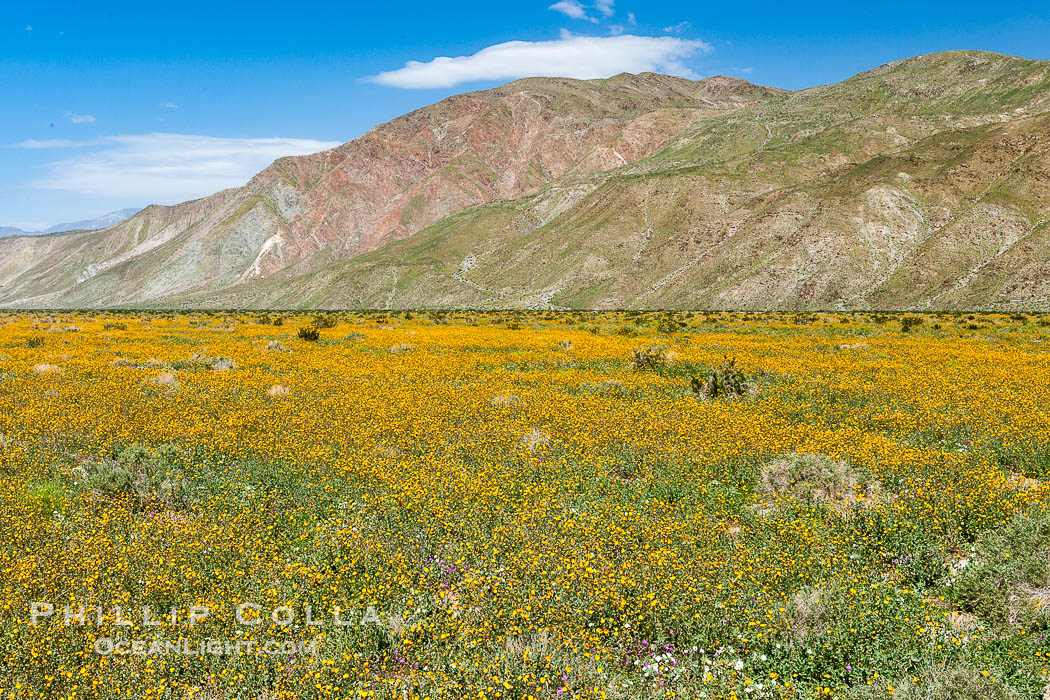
(524, 506)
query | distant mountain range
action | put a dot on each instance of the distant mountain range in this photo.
(104, 221)
(921, 184)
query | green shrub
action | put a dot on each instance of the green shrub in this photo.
(107, 477)
(670, 324)
(1007, 581)
(909, 322)
(145, 475)
(939, 683)
(724, 381)
(650, 359)
(325, 321)
(309, 333)
(814, 477)
(115, 327)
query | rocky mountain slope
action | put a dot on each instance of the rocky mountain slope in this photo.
(922, 184)
(304, 213)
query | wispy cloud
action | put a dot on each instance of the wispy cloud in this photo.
(80, 118)
(571, 56)
(169, 105)
(678, 28)
(56, 143)
(577, 10)
(573, 9)
(164, 168)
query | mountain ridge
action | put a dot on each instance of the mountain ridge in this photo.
(918, 184)
(304, 212)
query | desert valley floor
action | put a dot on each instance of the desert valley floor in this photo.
(525, 505)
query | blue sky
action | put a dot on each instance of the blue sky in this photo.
(114, 105)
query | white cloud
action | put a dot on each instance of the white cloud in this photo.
(616, 29)
(631, 19)
(678, 28)
(165, 168)
(55, 143)
(169, 105)
(605, 7)
(80, 118)
(29, 27)
(571, 8)
(571, 56)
